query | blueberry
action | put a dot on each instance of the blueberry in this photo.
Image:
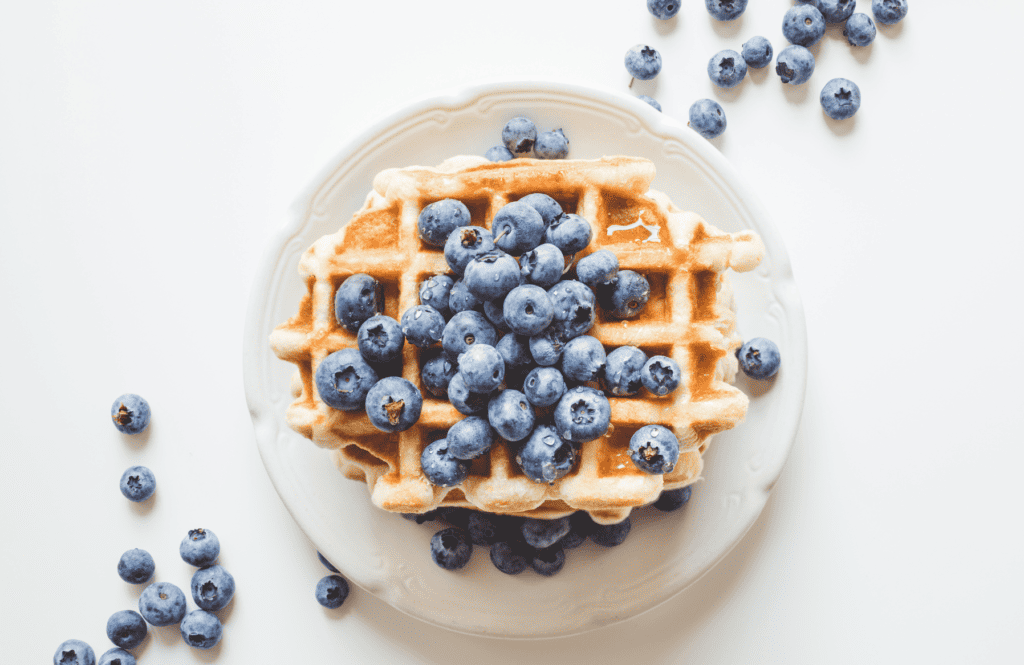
(574, 308)
(544, 533)
(487, 528)
(519, 135)
(654, 449)
(517, 228)
(546, 457)
(482, 368)
(470, 438)
(759, 358)
(803, 25)
(663, 9)
(422, 325)
(212, 587)
(610, 535)
(548, 208)
(583, 358)
(794, 65)
(515, 350)
(138, 483)
(581, 526)
(465, 329)
(327, 564)
(495, 313)
(130, 413)
(544, 386)
(757, 52)
(551, 145)
(136, 566)
(650, 100)
(435, 290)
(888, 12)
(582, 414)
(510, 414)
(126, 629)
(343, 379)
(542, 266)
(393, 404)
(643, 62)
(451, 548)
(673, 499)
(439, 219)
(461, 299)
(499, 153)
(859, 30)
(201, 629)
(725, 10)
(440, 467)
(331, 591)
(493, 275)
(437, 373)
(199, 547)
(660, 375)
(836, 11)
(727, 68)
(622, 371)
(116, 656)
(598, 268)
(358, 298)
(840, 98)
(509, 557)
(464, 244)
(380, 339)
(455, 516)
(546, 348)
(626, 296)
(465, 401)
(569, 233)
(707, 118)
(162, 604)
(74, 652)
(572, 540)
(549, 560)
(528, 310)
(420, 518)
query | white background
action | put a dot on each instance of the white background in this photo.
(149, 154)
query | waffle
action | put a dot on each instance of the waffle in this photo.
(689, 318)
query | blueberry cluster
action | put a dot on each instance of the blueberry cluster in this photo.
(519, 138)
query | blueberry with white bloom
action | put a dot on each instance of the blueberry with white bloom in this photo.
(421, 325)
(494, 310)
(201, 629)
(549, 560)
(465, 329)
(509, 557)
(199, 547)
(435, 290)
(511, 415)
(439, 219)
(358, 298)
(836, 11)
(499, 153)
(546, 347)
(610, 535)
(136, 566)
(461, 299)
(759, 358)
(569, 233)
(583, 359)
(331, 591)
(162, 604)
(643, 62)
(757, 52)
(470, 438)
(794, 65)
(541, 533)
(466, 243)
(727, 68)
(451, 548)
(574, 305)
(598, 268)
(74, 652)
(626, 296)
(546, 457)
(463, 399)
(859, 30)
(482, 368)
(343, 378)
(393, 404)
(436, 374)
(130, 413)
(671, 500)
(544, 386)
(622, 371)
(551, 145)
(380, 339)
(213, 587)
(519, 135)
(889, 12)
(803, 25)
(528, 310)
(582, 414)
(138, 483)
(126, 629)
(654, 449)
(707, 118)
(116, 656)
(515, 350)
(725, 10)
(660, 375)
(542, 266)
(493, 275)
(840, 98)
(651, 101)
(440, 467)
(663, 9)
(517, 228)
(548, 207)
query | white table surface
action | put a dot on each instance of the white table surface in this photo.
(149, 153)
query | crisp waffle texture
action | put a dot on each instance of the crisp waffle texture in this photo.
(689, 318)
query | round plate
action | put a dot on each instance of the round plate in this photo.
(388, 555)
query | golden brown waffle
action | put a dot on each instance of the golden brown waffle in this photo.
(689, 318)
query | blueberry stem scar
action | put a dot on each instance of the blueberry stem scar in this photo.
(394, 411)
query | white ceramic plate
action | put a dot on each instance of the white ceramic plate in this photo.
(389, 556)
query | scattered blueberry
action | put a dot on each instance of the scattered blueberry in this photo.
(482, 368)
(331, 591)
(327, 564)
(610, 535)
(549, 560)
(116, 656)
(499, 153)
(162, 604)
(574, 308)
(201, 629)
(582, 414)
(439, 219)
(130, 413)
(543, 265)
(836, 11)
(626, 296)
(435, 290)
(358, 298)
(343, 378)
(126, 629)
(650, 100)
(136, 566)
(859, 30)
(663, 9)
(451, 548)
(380, 339)
(803, 25)
(757, 52)
(528, 310)
(570, 233)
(421, 325)
(598, 268)
(759, 358)
(393, 404)
(544, 386)
(138, 483)
(551, 145)
(437, 374)
(510, 414)
(540, 533)
(725, 10)
(583, 359)
(727, 68)
(840, 98)
(491, 276)
(888, 12)
(461, 299)
(519, 135)
(517, 228)
(673, 499)
(660, 375)
(199, 547)
(213, 587)
(515, 350)
(509, 557)
(470, 438)
(707, 118)
(622, 371)
(74, 652)
(465, 329)
(643, 62)
(466, 243)
(465, 401)
(654, 449)
(548, 208)
(794, 65)
(546, 457)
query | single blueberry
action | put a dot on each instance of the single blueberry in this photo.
(540, 533)
(494, 310)
(725, 10)
(650, 100)
(803, 25)
(582, 414)
(551, 145)
(622, 371)
(544, 386)
(840, 98)
(212, 587)
(437, 373)
(517, 228)
(331, 591)
(509, 557)
(126, 629)
(673, 499)
(74, 652)
(757, 52)
(663, 9)
(440, 467)
(130, 413)
(727, 68)
(422, 325)
(451, 548)
(528, 310)
(889, 12)
(583, 359)
(492, 276)
(626, 296)
(574, 305)
(116, 656)
(707, 118)
(549, 560)
(759, 358)
(542, 266)
(465, 401)
(358, 298)
(162, 604)
(580, 527)
(859, 30)
(598, 268)
(511, 415)
(519, 135)
(461, 299)
(660, 375)
(393, 404)
(836, 11)
(327, 564)
(499, 153)
(381, 339)
(343, 378)
(654, 449)
(199, 547)
(643, 62)
(439, 219)
(466, 243)
(569, 233)
(546, 457)
(610, 535)
(201, 629)
(470, 438)
(515, 350)
(138, 483)
(794, 65)
(136, 566)
(548, 207)
(465, 329)
(435, 290)
(482, 368)
(546, 348)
